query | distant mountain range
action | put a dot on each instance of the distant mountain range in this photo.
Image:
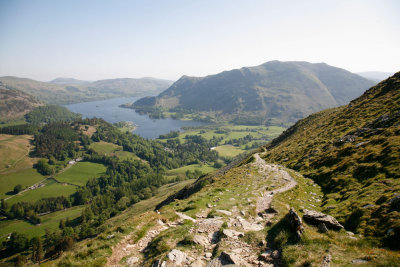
(375, 75)
(15, 103)
(276, 91)
(69, 81)
(67, 90)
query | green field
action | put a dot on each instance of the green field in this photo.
(110, 149)
(228, 150)
(51, 189)
(81, 172)
(25, 177)
(50, 221)
(204, 168)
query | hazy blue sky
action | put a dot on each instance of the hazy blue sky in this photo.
(44, 39)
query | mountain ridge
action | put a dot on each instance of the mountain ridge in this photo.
(275, 90)
(64, 93)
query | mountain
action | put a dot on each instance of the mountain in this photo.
(375, 75)
(71, 81)
(353, 153)
(14, 103)
(276, 91)
(61, 93)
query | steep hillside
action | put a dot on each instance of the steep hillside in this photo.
(14, 103)
(353, 152)
(277, 91)
(63, 93)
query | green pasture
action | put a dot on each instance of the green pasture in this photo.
(25, 178)
(81, 172)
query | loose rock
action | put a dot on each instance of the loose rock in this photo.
(177, 256)
(316, 218)
(228, 213)
(326, 261)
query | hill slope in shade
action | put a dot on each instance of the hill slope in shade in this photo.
(277, 91)
(14, 103)
(353, 153)
(62, 93)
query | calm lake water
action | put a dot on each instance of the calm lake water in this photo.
(110, 111)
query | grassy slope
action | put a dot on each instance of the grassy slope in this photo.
(81, 172)
(360, 177)
(16, 165)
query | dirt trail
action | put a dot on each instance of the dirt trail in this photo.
(264, 202)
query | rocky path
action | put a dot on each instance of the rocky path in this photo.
(264, 202)
(206, 231)
(128, 248)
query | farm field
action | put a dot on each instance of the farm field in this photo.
(81, 172)
(110, 149)
(25, 178)
(51, 189)
(228, 150)
(50, 221)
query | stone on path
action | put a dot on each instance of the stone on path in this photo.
(201, 240)
(232, 233)
(132, 260)
(177, 257)
(228, 213)
(185, 217)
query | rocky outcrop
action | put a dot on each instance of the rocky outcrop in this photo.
(295, 223)
(315, 218)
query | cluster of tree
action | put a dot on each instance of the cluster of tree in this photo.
(172, 134)
(57, 140)
(240, 141)
(30, 211)
(20, 129)
(50, 114)
(248, 120)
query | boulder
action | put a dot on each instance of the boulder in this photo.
(177, 257)
(315, 218)
(322, 228)
(295, 223)
(230, 258)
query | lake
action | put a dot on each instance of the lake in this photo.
(110, 111)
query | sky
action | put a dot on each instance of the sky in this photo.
(96, 39)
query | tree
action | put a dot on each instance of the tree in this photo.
(43, 167)
(37, 249)
(18, 242)
(17, 188)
